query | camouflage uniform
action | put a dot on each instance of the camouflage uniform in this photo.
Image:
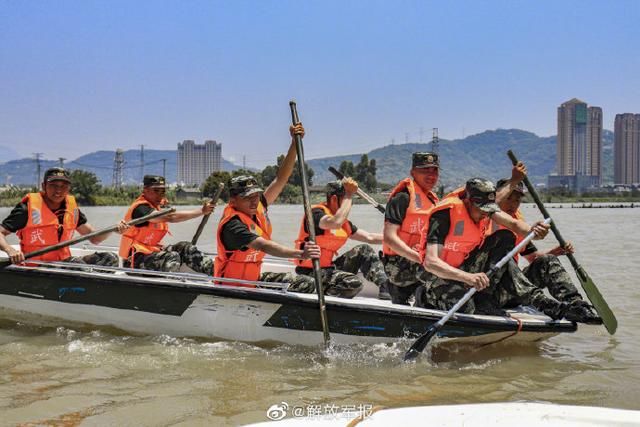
(297, 282)
(546, 271)
(509, 287)
(173, 256)
(341, 280)
(108, 259)
(404, 276)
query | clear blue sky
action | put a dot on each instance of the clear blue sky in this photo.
(79, 76)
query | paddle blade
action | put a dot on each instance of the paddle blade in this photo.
(602, 308)
(420, 343)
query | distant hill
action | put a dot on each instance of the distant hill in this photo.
(23, 171)
(483, 154)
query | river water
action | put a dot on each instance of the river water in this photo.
(57, 375)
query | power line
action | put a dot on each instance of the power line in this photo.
(435, 141)
(118, 163)
(37, 158)
(141, 162)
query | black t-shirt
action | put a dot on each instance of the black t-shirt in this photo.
(397, 208)
(19, 216)
(140, 211)
(439, 225)
(529, 249)
(236, 235)
(318, 214)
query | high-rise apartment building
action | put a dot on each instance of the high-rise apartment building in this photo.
(626, 160)
(197, 161)
(579, 146)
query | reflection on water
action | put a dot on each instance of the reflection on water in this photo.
(70, 374)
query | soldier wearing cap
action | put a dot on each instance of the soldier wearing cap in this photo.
(456, 252)
(244, 231)
(49, 217)
(141, 246)
(545, 269)
(405, 215)
(333, 229)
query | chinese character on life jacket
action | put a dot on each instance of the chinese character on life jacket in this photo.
(36, 236)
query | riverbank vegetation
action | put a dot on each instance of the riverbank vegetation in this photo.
(89, 192)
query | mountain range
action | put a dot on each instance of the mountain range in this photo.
(483, 154)
(23, 171)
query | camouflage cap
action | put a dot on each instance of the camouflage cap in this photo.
(57, 174)
(425, 160)
(482, 193)
(520, 188)
(244, 186)
(335, 188)
(153, 181)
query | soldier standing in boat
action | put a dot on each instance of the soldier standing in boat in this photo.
(333, 228)
(545, 269)
(49, 217)
(141, 245)
(404, 219)
(244, 231)
(456, 252)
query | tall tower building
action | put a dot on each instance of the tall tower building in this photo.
(626, 160)
(579, 147)
(197, 161)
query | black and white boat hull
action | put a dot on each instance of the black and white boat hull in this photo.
(189, 305)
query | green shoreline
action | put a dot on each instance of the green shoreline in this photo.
(576, 201)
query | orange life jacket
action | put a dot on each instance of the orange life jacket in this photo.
(464, 234)
(42, 227)
(330, 241)
(239, 264)
(419, 205)
(146, 239)
(494, 226)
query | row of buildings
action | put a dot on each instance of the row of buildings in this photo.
(579, 147)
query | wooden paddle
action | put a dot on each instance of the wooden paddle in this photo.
(360, 192)
(310, 226)
(590, 288)
(205, 218)
(79, 239)
(424, 339)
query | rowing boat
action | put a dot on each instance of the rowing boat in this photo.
(191, 305)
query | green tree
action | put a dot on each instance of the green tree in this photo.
(269, 173)
(365, 173)
(296, 179)
(347, 168)
(85, 187)
(291, 194)
(210, 186)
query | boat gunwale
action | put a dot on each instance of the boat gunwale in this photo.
(358, 304)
